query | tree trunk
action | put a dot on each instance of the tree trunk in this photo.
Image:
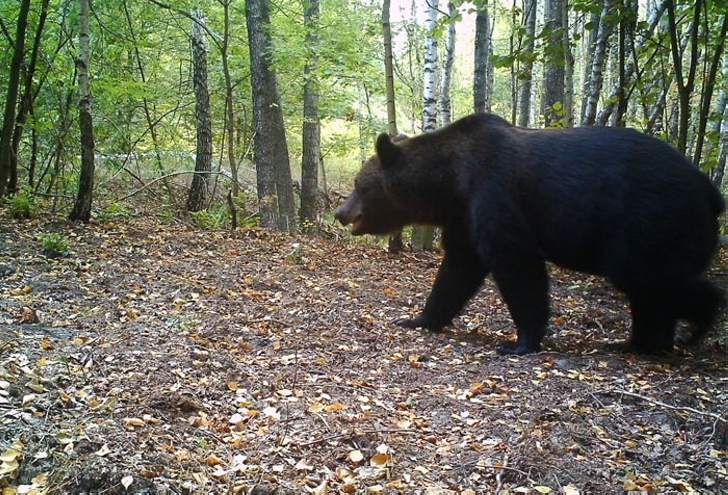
(721, 116)
(82, 208)
(525, 74)
(422, 236)
(596, 73)
(684, 87)
(445, 86)
(552, 105)
(275, 190)
(197, 198)
(568, 118)
(311, 126)
(11, 99)
(395, 243)
(588, 47)
(707, 96)
(721, 165)
(631, 68)
(482, 50)
(26, 101)
(229, 98)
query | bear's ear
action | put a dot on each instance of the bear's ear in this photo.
(387, 151)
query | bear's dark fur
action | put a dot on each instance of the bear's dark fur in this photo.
(606, 201)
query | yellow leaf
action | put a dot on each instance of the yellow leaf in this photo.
(380, 460)
(336, 406)
(543, 489)
(571, 490)
(13, 452)
(9, 467)
(213, 460)
(233, 385)
(316, 407)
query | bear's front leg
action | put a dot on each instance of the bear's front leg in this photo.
(523, 284)
(459, 277)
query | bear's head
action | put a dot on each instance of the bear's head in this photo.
(394, 188)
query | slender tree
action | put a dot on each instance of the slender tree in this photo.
(422, 236)
(568, 117)
(684, 86)
(11, 98)
(480, 74)
(526, 72)
(229, 97)
(82, 207)
(446, 81)
(311, 126)
(554, 65)
(395, 243)
(716, 129)
(26, 100)
(596, 73)
(275, 188)
(707, 95)
(197, 198)
(610, 105)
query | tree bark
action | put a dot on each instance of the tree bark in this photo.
(684, 87)
(596, 73)
(482, 50)
(720, 120)
(11, 99)
(311, 126)
(229, 98)
(588, 48)
(568, 118)
(422, 236)
(552, 105)
(446, 82)
(721, 165)
(197, 198)
(526, 72)
(82, 207)
(631, 68)
(394, 243)
(275, 189)
(707, 96)
(26, 101)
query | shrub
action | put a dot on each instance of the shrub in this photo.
(22, 205)
(115, 211)
(54, 245)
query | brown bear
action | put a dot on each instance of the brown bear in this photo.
(606, 201)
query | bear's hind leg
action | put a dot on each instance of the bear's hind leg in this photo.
(700, 303)
(523, 284)
(653, 322)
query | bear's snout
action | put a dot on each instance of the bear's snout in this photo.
(348, 213)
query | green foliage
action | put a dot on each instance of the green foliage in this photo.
(214, 218)
(54, 245)
(115, 211)
(22, 206)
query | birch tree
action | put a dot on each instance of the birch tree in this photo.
(596, 74)
(446, 82)
(644, 37)
(422, 236)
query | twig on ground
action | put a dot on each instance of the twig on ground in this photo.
(499, 474)
(674, 408)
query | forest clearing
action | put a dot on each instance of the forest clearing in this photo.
(180, 312)
(162, 359)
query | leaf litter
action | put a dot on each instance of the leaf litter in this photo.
(160, 359)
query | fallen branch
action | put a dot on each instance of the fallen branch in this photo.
(674, 408)
(172, 174)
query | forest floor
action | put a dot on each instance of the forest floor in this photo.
(161, 359)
